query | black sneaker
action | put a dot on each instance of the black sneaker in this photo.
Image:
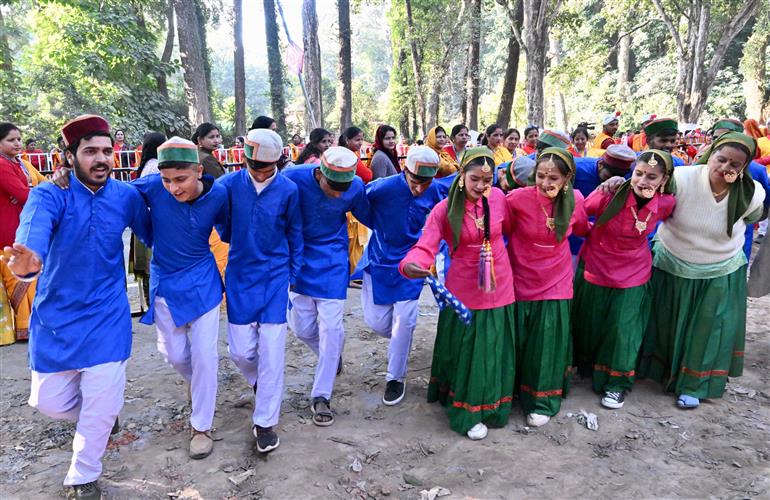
(115, 427)
(613, 400)
(88, 491)
(267, 440)
(394, 392)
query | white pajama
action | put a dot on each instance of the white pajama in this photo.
(258, 351)
(194, 357)
(396, 322)
(92, 397)
(318, 323)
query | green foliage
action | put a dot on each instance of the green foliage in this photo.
(91, 56)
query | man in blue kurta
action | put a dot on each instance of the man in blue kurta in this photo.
(317, 300)
(185, 285)
(80, 329)
(399, 206)
(265, 236)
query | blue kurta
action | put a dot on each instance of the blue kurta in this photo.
(183, 271)
(325, 268)
(265, 236)
(80, 317)
(397, 219)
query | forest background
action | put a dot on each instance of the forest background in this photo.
(168, 65)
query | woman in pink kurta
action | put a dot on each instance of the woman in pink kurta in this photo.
(612, 291)
(473, 368)
(542, 217)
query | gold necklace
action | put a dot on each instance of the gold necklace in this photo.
(478, 221)
(717, 195)
(550, 222)
(640, 225)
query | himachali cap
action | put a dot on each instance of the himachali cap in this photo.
(338, 164)
(648, 118)
(177, 150)
(656, 126)
(422, 161)
(83, 125)
(619, 156)
(611, 118)
(729, 124)
(263, 145)
(554, 139)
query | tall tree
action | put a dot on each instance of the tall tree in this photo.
(239, 69)
(538, 17)
(416, 67)
(691, 26)
(753, 67)
(168, 48)
(624, 67)
(312, 66)
(193, 65)
(345, 65)
(562, 121)
(275, 67)
(474, 66)
(511, 69)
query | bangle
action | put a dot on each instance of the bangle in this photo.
(28, 277)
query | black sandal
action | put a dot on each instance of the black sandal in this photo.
(322, 417)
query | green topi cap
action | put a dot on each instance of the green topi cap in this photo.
(177, 150)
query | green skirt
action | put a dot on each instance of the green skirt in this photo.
(696, 334)
(544, 350)
(473, 367)
(608, 325)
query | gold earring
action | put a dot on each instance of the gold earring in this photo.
(741, 174)
(461, 183)
(565, 187)
(662, 188)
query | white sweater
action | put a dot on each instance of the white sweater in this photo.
(697, 230)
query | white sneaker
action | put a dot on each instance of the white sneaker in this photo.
(537, 420)
(478, 431)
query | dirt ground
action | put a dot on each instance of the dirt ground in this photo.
(647, 449)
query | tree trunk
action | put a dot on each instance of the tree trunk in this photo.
(464, 97)
(201, 24)
(433, 106)
(695, 74)
(168, 48)
(416, 68)
(474, 65)
(753, 67)
(560, 107)
(403, 120)
(193, 66)
(624, 68)
(239, 69)
(344, 70)
(511, 72)
(537, 19)
(275, 68)
(312, 66)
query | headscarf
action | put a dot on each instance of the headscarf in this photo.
(379, 135)
(751, 128)
(564, 203)
(456, 197)
(742, 190)
(447, 165)
(621, 195)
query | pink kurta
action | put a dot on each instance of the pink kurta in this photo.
(463, 276)
(615, 254)
(542, 265)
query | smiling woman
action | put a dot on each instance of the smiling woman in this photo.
(696, 335)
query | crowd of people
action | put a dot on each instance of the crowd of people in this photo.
(618, 257)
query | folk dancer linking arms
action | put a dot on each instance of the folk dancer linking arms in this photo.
(473, 368)
(265, 236)
(317, 301)
(612, 290)
(696, 334)
(80, 329)
(399, 206)
(185, 284)
(543, 216)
